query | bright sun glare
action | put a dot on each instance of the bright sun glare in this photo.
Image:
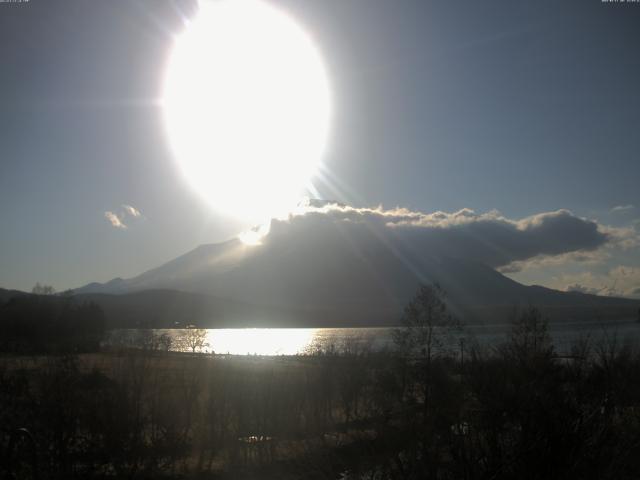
(246, 105)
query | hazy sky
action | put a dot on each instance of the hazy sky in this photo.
(520, 106)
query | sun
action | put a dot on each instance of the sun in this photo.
(246, 104)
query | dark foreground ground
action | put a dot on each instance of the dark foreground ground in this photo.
(514, 411)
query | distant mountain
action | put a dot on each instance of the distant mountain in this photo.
(328, 280)
(117, 285)
(174, 309)
(6, 295)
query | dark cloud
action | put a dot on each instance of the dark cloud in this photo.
(489, 238)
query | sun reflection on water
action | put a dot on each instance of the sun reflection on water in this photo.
(260, 341)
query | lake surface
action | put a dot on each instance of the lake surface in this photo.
(302, 341)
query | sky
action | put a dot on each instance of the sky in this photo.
(508, 108)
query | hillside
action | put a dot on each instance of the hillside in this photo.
(326, 282)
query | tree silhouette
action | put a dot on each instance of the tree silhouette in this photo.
(194, 338)
(529, 338)
(425, 323)
(39, 289)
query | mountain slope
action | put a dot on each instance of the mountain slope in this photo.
(329, 280)
(174, 309)
(6, 295)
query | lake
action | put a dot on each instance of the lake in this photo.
(301, 341)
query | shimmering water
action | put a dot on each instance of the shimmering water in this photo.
(301, 341)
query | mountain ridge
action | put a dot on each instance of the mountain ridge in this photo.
(329, 282)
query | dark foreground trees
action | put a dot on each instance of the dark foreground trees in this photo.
(149, 415)
(48, 323)
(504, 415)
(514, 411)
(520, 410)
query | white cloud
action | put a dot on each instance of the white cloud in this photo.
(578, 287)
(585, 257)
(117, 219)
(134, 212)
(622, 237)
(620, 281)
(622, 208)
(114, 219)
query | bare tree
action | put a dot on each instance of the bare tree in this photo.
(193, 338)
(39, 289)
(529, 337)
(425, 323)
